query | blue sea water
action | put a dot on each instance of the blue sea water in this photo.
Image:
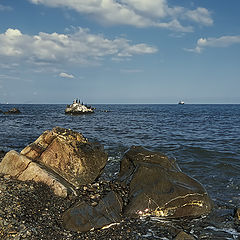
(204, 139)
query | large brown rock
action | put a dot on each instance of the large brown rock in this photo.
(69, 154)
(61, 158)
(22, 168)
(158, 187)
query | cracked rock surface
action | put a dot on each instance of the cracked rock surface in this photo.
(159, 188)
(22, 168)
(83, 217)
(61, 158)
(69, 154)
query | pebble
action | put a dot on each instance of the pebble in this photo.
(184, 236)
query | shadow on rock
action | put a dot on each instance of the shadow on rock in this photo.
(158, 187)
(61, 158)
(83, 217)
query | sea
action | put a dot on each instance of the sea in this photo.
(204, 139)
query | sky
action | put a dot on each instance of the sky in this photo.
(120, 51)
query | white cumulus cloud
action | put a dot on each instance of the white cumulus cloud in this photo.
(224, 41)
(138, 13)
(78, 47)
(66, 75)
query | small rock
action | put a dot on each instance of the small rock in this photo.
(84, 217)
(13, 111)
(184, 236)
(237, 214)
(94, 204)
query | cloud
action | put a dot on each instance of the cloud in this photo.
(10, 42)
(78, 47)
(8, 77)
(9, 66)
(200, 15)
(5, 8)
(137, 13)
(224, 41)
(66, 75)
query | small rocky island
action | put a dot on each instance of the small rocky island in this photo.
(78, 108)
(11, 111)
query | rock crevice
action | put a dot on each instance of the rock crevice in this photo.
(61, 158)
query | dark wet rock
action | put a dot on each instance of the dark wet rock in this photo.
(158, 187)
(30, 210)
(83, 217)
(13, 111)
(184, 236)
(2, 154)
(69, 154)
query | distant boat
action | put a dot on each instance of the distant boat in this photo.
(181, 102)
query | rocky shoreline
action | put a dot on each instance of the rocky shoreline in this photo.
(31, 210)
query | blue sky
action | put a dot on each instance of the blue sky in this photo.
(119, 51)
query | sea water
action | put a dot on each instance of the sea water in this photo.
(204, 139)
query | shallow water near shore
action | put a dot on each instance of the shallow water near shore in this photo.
(204, 139)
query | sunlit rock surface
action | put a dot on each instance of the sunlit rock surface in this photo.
(22, 168)
(69, 154)
(158, 187)
(61, 158)
(78, 108)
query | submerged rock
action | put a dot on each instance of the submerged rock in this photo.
(83, 217)
(61, 158)
(158, 187)
(13, 111)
